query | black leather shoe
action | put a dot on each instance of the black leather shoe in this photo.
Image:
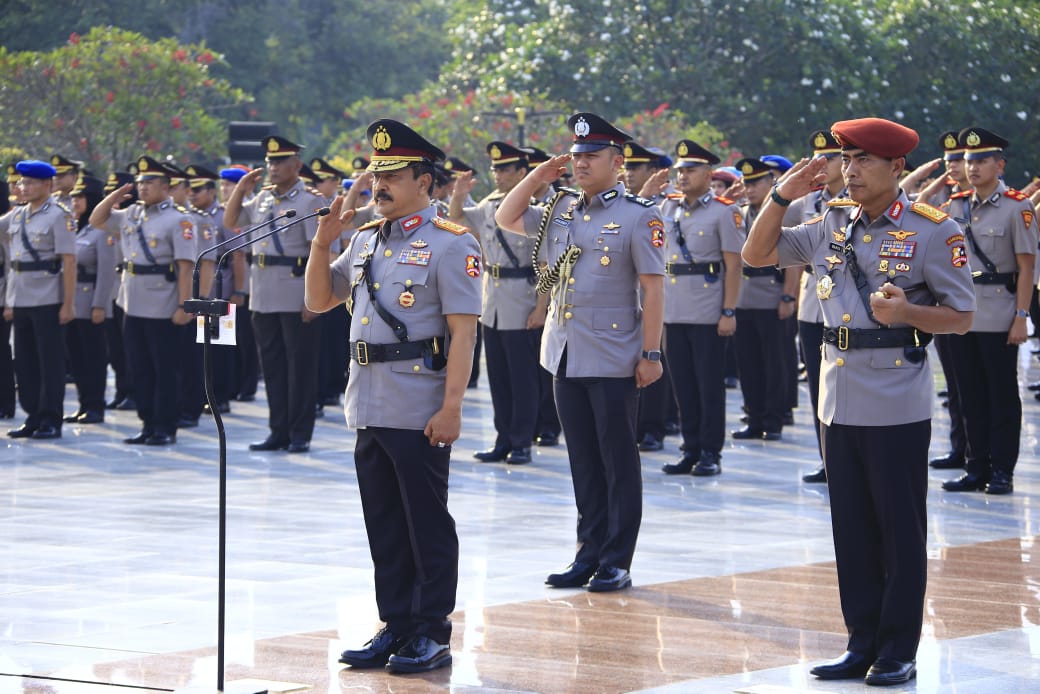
(709, 464)
(519, 456)
(730, 382)
(91, 417)
(1000, 483)
(376, 652)
(771, 436)
(817, 476)
(73, 417)
(672, 428)
(269, 444)
(681, 467)
(419, 654)
(547, 439)
(950, 461)
(968, 482)
(126, 404)
(848, 666)
(575, 576)
(746, 433)
(888, 671)
(788, 419)
(609, 579)
(651, 443)
(298, 446)
(161, 439)
(1035, 385)
(23, 432)
(187, 422)
(47, 432)
(139, 439)
(493, 455)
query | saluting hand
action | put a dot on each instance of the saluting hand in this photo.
(248, 181)
(464, 184)
(802, 178)
(655, 185)
(549, 171)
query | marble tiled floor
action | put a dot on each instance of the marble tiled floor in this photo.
(108, 570)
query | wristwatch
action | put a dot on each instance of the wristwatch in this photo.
(728, 312)
(787, 298)
(1021, 313)
(777, 198)
(652, 354)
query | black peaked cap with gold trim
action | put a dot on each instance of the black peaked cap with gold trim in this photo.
(277, 147)
(688, 153)
(148, 168)
(396, 146)
(592, 133)
(752, 169)
(503, 153)
(980, 143)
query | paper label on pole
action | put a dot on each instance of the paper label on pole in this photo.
(225, 326)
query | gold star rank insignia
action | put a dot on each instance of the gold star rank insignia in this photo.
(833, 260)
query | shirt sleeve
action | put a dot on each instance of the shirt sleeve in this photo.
(64, 229)
(115, 222)
(458, 277)
(797, 245)
(948, 279)
(184, 238)
(730, 224)
(648, 243)
(1024, 228)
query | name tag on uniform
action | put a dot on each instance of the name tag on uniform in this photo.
(894, 248)
(561, 222)
(413, 256)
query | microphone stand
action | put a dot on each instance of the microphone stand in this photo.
(212, 310)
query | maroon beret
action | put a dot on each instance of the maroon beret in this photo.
(876, 136)
(724, 176)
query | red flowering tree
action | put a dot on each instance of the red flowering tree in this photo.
(112, 95)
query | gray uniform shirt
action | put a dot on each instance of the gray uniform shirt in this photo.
(5, 269)
(168, 231)
(597, 312)
(274, 288)
(51, 232)
(427, 268)
(910, 247)
(96, 255)
(806, 208)
(710, 226)
(212, 232)
(1004, 226)
(508, 301)
(759, 291)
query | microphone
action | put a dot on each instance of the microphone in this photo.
(288, 214)
(249, 242)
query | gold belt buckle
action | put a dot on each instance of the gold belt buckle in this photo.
(130, 267)
(260, 260)
(843, 338)
(362, 353)
(494, 271)
(668, 268)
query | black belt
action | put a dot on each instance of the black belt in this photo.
(52, 266)
(367, 353)
(994, 277)
(135, 269)
(84, 276)
(759, 271)
(711, 268)
(856, 338)
(263, 260)
(508, 273)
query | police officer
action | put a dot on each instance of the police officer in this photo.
(604, 248)
(888, 275)
(247, 358)
(766, 300)
(512, 313)
(6, 361)
(1000, 230)
(285, 330)
(702, 247)
(413, 282)
(96, 259)
(66, 175)
(328, 178)
(41, 240)
(124, 395)
(158, 245)
(810, 314)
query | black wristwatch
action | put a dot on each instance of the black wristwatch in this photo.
(787, 298)
(728, 312)
(652, 354)
(777, 198)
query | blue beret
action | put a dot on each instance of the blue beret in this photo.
(775, 161)
(34, 168)
(347, 183)
(233, 174)
(733, 170)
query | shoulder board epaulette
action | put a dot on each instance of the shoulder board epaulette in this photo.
(62, 206)
(569, 191)
(442, 223)
(269, 186)
(814, 220)
(313, 191)
(675, 196)
(842, 202)
(929, 212)
(645, 202)
(497, 195)
(961, 194)
(724, 200)
(371, 225)
(181, 208)
(1016, 194)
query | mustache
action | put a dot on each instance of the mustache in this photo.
(384, 196)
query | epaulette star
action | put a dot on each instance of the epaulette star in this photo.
(1016, 194)
(645, 202)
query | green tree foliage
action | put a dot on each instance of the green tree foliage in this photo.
(111, 95)
(767, 72)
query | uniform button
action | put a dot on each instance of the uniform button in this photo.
(496, 284)
(675, 256)
(263, 244)
(846, 317)
(705, 285)
(375, 285)
(674, 281)
(899, 362)
(891, 273)
(614, 325)
(364, 320)
(407, 283)
(999, 290)
(570, 280)
(606, 248)
(132, 255)
(587, 218)
(839, 361)
(567, 315)
(416, 368)
(387, 253)
(700, 233)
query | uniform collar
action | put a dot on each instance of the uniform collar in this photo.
(994, 197)
(158, 207)
(894, 213)
(607, 198)
(43, 208)
(289, 194)
(407, 225)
